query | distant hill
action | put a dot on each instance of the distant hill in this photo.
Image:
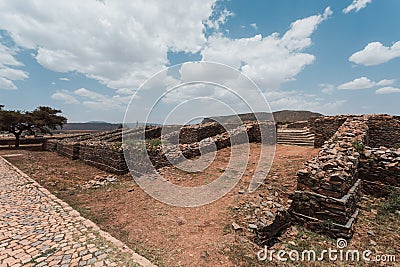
(279, 116)
(97, 126)
(90, 126)
(263, 116)
(293, 115)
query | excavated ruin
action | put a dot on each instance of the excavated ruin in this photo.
(359, 154)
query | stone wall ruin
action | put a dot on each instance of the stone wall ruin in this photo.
(325, 127)
(358, 154)
(104, 150)
(330, 185)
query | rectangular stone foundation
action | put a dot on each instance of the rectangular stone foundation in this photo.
(68, 150)
(338, 210)
(50, 145)
(326, 227)
(104, 158)
(330, 185)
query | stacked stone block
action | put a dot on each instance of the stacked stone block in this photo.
(50, 145)
(380, 170)
(384, 130)
(163, 155)
(297, 125)
(325, 127)
(104, 156)
(68, 149)
(329, 187)
(101, 150)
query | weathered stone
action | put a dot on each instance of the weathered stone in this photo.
(236, 226)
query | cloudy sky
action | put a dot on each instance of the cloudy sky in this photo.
(88, 58)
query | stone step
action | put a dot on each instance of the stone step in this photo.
(297, 137)
(296, 143)
(291, 131)
(311, 138)
(301, 134)
(295, 134)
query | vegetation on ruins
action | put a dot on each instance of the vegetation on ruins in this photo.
(391, 205)
(41, 120)
(359, 146)
(153, 143)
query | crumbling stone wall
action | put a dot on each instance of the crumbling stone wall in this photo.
(22, 141)
(249, 132)
(197, 132)
(104, 150)
(298, 125)
(380, 170)
(325, 127)
(117, 137)
(68, 149)
(329, 186)
(103, 156)
(151, 132)
(50, 145)
(188, 134)
(334, 170)
(384, 130)
(164, 155)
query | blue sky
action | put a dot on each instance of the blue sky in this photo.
(88, 58)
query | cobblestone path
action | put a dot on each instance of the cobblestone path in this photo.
(38, 229)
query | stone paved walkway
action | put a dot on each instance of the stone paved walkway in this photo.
(38, 229)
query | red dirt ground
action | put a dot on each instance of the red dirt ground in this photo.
(167, 235)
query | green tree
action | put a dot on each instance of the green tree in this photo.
(42, 119)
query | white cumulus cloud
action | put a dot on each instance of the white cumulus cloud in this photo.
(89, 94)
(297, 100)
(119, 43)
(387, 90)
(356, 5)
(221, 19)
(65, 96)
(8, 72)
(254, 26)
(364, 83)
(122, 43)
(327, 88)
(270, 60)
(376, 53)
(91, 99)
(7, 84)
